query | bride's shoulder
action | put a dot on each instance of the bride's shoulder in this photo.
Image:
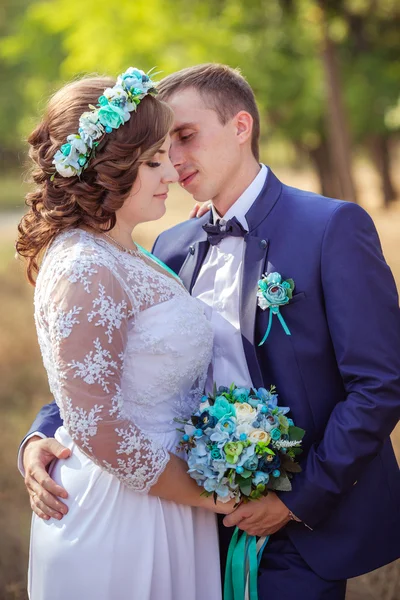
(76, 255)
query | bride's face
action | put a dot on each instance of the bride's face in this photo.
(146, 202)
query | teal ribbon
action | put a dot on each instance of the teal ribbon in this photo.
(274, 310)
(242, 566)
(159, 262)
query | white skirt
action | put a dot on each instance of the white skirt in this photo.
(116, 544)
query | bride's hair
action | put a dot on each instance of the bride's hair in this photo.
(91, 200)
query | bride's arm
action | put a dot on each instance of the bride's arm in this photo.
(89, 314)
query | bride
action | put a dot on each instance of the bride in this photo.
(126, 351)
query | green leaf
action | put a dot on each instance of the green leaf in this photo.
(280, 484)
(245, 487)
(296, 434)
(291, 283)
(246, 474)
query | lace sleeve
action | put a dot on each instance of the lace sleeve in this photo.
(88, 323)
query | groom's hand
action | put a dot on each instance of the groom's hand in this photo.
(43, 491)
(260, 517)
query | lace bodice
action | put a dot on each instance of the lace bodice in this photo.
(126, 350)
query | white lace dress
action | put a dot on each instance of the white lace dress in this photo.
(126, 350)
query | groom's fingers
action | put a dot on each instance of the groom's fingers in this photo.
(45, 501)
(235, 517)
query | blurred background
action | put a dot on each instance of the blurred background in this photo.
(326, 75)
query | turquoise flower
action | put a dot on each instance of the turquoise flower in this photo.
(240, 394)
(260, 478)
(228, 424)
(111, 116)
(274, 278)
(251, 463)
(222, 408)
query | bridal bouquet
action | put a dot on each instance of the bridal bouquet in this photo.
(240, 445)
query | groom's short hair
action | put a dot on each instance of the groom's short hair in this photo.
(222, 88)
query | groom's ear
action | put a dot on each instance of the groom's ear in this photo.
(243, 122)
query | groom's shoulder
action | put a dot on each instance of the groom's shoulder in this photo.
(317, 208)
(179, 237)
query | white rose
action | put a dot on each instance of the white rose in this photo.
(258, 435)
(244, 412)
(116, 92)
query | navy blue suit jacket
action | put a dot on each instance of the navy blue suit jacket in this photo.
(339, 371)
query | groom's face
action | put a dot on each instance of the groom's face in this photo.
(205, 152)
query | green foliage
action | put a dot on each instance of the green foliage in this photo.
(276, 43)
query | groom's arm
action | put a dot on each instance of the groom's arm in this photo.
(45, 425)
(364, 321)
(35, 454)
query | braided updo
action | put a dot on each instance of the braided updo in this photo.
(92, 199)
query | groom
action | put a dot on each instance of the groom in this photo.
(339, 370)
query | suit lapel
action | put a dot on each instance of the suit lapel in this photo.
(196, 255)
(254, 260)
(255, 256)
(192, 265)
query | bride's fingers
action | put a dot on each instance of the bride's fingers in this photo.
(203, 209)
(199, 210)
(194, 211)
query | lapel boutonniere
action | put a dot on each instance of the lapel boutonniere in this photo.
(272, 293)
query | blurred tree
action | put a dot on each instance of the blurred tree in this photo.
(367, 33)
(278, 44)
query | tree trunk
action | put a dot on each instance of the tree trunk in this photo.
(323, 165)
(380, 152)
(339, 139)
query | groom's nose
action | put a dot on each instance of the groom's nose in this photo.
(176, 155)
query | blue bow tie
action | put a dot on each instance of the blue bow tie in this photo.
(221, 229)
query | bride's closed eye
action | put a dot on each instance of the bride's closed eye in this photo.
(153, 165)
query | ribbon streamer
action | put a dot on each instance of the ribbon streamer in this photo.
(274, 310)
(244, 555)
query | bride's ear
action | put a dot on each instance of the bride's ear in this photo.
(243, 122)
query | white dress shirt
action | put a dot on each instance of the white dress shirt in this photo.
(218, 287)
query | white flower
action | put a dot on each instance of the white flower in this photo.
(244, 412)
(258, 435)
(115, 92)
(244, 428)
(63, 166)
(90, 127)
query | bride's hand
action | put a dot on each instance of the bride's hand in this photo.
(199, 210)
(221, 508)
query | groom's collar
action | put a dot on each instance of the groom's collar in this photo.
(258, 211)
(243, 204)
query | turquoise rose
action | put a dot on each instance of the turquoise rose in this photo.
(260, 478)
(276, 295)
(252, 463)
(240, 394)
(222, 408)
(228, 424)
(274, 278)
(111, 116)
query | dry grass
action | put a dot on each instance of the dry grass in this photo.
(23, 385)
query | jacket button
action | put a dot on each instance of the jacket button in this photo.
(263, 244)
(191, 249)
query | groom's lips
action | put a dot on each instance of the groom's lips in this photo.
(187, 179)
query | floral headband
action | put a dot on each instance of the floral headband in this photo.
(113, 110)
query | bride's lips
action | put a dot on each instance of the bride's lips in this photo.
(162, 196)
(187, 179)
